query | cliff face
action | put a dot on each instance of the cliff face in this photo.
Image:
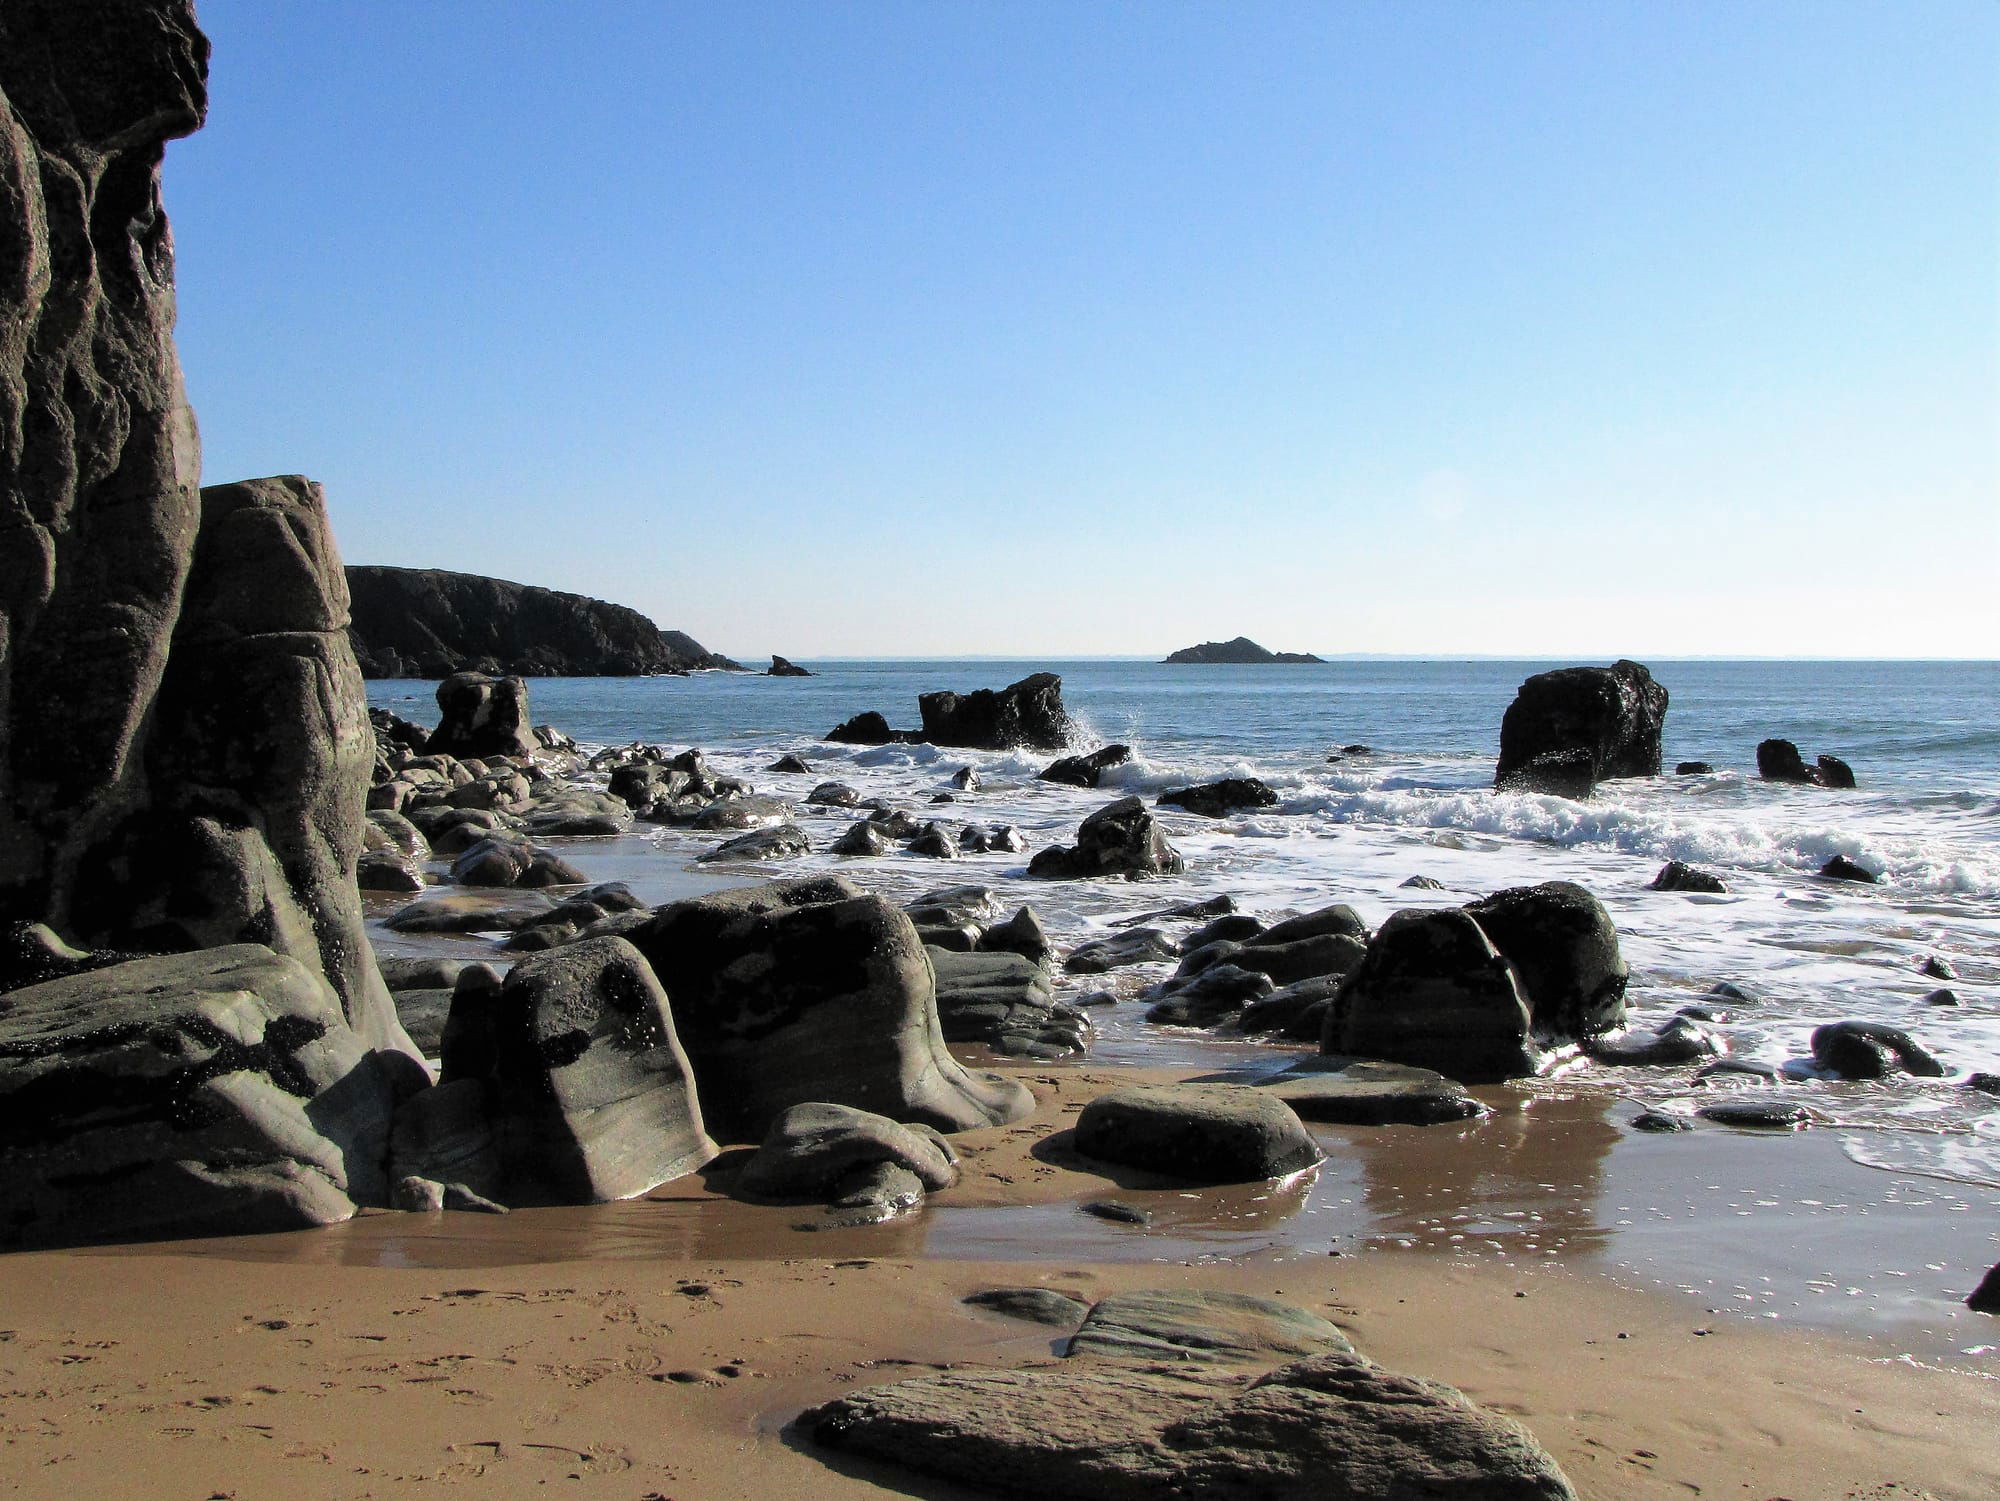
(184, 746)
(426, 622)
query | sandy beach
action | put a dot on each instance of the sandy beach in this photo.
(661, 1348)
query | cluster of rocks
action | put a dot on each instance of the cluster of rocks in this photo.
(1780, 761)
(428, 623)
(1184, 1392)
(1119, 839)
(1027, 713)
(995, 984)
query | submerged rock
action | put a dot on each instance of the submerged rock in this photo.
(1368, 1092)
(1209, 1328)
(1220, 799)
(1674, 876)
(1840, 868)
(1871, 1050)
(1085, 770)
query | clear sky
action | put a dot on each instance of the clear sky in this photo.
(1059, 329)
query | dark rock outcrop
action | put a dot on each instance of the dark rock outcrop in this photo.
(1871, 1050)
(1564, 946)
(783, 668)
(426, 622)
(809, 991)
(1219, 799)
(1611, 714)
(1241, 651)
(1780, 761)
(1085, 770)
(1840, 868)
(1028, 713)
(1367, 1092)
(1119, 839)
(1675, 876)
(481, 716)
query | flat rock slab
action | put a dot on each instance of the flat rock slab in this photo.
(1037, 1305)
(1367, 1092)
(1333, 1426)
(1210, 1327)
(472, 912)
(1205, 1133)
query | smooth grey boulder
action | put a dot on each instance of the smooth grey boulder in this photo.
(1204, 1133)
(833, 795)
(513, 862)
(862, 838)
(1297, 1011)
(934, 841)
(1219, 799)
(803, 991)
(1120, 839)
(1231, 927)
(1338, 920)
(813, 1149)
(1086, 770)
(1564, 946)
(1021, 934)
(1193, 1324)
(1368, 1092)
(1676, 876)
(446, 1135)
(1335, 1425)
(1871, 1050)
(1433, 991)
(985, 839)
(1035, 1305)
(1131, 946)
(743, 813)
(482, 716)
(1301, 958)
(1611, 715)
(1680, 1040)
(218, 1092)
(592, 1095)
(384, 870)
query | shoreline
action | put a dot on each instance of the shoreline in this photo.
(396, 1352)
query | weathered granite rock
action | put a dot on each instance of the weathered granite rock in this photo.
(482, 716)
(215, 1092)
(410, 620)
(812, 1149)
(1335, 1425)
(1565, 948)
(1674, 876)
(809, 991)
(1433, 991)
(1029, 713)
(1085, 770)
(1004, 1002)
(1120, 839)
(1219, 799)
(591, 1094)
(1240, 652)
(1204, 1133)
(783, 668)
(1613, 713)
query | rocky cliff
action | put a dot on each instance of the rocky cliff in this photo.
(426, 622)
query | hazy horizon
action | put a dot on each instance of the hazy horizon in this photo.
(1538, 332)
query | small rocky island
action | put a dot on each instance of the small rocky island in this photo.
(1241, 651)
(430, 623)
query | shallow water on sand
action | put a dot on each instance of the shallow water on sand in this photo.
(1879, 1219)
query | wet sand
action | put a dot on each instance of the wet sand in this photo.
(659, 1348)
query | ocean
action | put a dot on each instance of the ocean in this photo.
(1923, 739)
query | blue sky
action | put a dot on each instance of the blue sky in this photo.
(912, 329)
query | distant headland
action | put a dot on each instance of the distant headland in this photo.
(1241, 650)
(427, 622)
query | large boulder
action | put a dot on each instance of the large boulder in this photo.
(1119, 839)
(1564, 946)
(1612, 714)
(211, 1093)
(809, 991)
(482, 716)
(407, 617)
(591, 1094)
(1433, 991)
(1029, 713)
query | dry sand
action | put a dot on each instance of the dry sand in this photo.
(660, 1348)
